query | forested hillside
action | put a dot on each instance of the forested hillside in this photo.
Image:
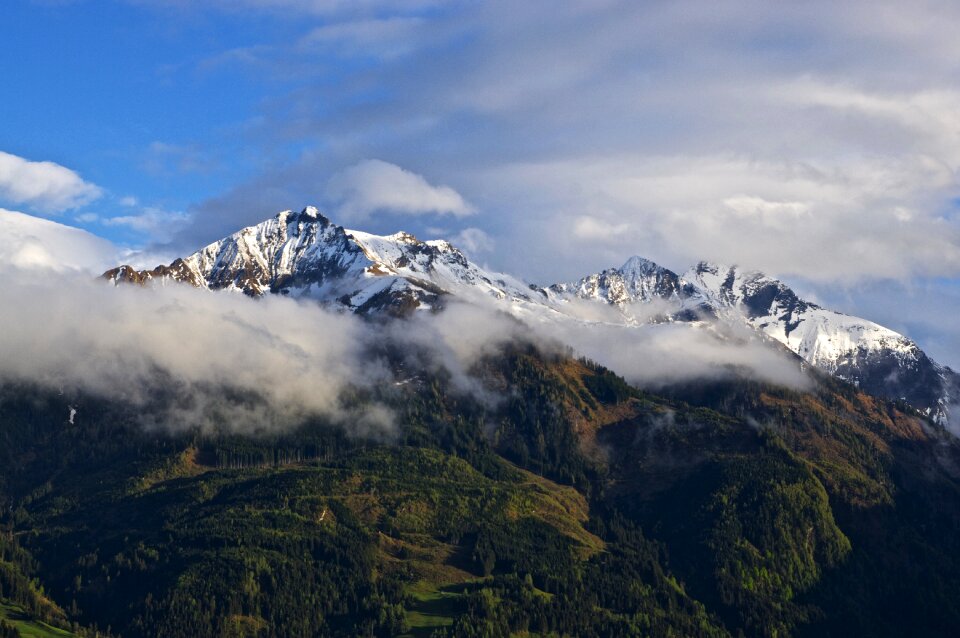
(574, 504)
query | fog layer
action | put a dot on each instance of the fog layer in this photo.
(188, 358)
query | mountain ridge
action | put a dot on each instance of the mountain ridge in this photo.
(875, 358)
(306, 255)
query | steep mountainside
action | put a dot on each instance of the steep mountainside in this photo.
(577, 505)
(638, 281)
(532, 494)
(877, 359)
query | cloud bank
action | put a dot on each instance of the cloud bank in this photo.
(834, 221)
(183, 358)
(817, 139)
(654, 355)
(44, 186)
(648, 355)
(187, 358)
(32, 243)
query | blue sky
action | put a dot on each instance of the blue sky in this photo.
(816, 141)
(121, 94)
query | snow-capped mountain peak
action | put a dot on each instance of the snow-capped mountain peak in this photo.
(729, 285)
(877, 359)
(638, 280)
(306, 255)
(637, 266)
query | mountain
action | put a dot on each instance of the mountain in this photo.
(872, 357)
(306, 255)
(574, 505)
(638, 281)
(875, 358)
(530, 493)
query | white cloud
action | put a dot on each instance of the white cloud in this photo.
(474, 241)
(131, 344)
(592, 228)
(818, 120)
(31, 243)
(376, 186)
(818, 138)
(649, 355)
(845, 220)
(44, 186)
(655, 356)
(384, 38)
(87, 218)
(919, 121)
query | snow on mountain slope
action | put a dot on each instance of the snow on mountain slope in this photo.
(305, 255)
(822, 337)
(638, 280)
(33, 243)
(877, 359)
(638, 283)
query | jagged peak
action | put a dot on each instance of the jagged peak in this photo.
(713, 268)
(716, 277)
(305, 254)
(730, 271)
(405, 237)
(308, 214)
(642, 266)
(442, 245)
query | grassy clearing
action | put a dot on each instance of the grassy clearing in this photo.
(28, 627)
(432, 607)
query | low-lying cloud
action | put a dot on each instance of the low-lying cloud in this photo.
(185, 358)
(278, 360)
(650, 355)
(653, 354)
